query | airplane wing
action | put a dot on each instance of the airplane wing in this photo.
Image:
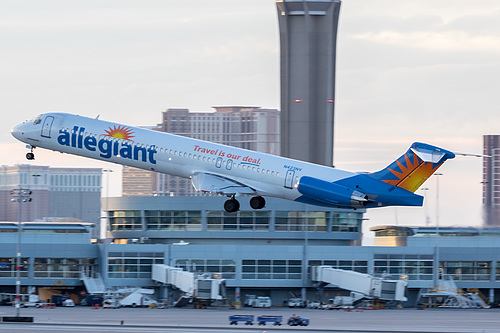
(207, 182)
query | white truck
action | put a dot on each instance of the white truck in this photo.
(296, 303)
(139, 297)
(134, 297)
(262, 302)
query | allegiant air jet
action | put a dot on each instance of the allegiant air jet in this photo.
(233, 171)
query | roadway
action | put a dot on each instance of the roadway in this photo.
(85, 319)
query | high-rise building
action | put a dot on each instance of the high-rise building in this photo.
(70, 193)
(137, 182)
(246, 127)
(491, 180)
(308, 42)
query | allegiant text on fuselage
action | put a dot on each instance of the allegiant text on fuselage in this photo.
(106, 147)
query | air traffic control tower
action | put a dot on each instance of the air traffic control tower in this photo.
(308, 41)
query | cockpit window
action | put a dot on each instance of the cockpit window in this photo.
(37, 119)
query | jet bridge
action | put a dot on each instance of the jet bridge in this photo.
(369, 286)
(198, 289)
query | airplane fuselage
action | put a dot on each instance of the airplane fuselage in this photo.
(267, 174)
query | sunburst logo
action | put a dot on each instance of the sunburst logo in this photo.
(413, 175)
(120, 132)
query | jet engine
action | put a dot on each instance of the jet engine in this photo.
(331, 193)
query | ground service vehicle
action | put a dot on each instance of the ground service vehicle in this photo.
(296, 303)
(262, 302)
(297, 321)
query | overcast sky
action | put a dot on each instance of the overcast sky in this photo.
(406, 71)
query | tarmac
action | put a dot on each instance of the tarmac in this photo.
(411, 320)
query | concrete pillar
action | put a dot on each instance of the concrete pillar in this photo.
(237, 296)
(304, 293)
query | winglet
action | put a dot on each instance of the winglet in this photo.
(414, 167)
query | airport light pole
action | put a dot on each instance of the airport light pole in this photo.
(437, 259)
(425, 189)
(106, 220)
(35, 187)
(19, 195)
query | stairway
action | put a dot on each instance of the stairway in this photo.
(94, 285)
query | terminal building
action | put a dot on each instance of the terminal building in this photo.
(265, 253)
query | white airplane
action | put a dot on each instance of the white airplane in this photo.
(233, 171)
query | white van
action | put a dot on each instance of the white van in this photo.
(262, 302)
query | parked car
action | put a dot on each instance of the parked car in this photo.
(33, 302)
(68, 302)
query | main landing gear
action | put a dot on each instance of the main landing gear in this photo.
(232, 205)
(257, 202)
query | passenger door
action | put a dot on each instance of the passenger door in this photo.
(289, 179)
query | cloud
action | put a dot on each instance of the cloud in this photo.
(450, 41)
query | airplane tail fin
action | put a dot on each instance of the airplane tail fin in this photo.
(412, 169)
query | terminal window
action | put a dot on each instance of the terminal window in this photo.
(360, 266)
(8, 267)
(414, 266)
(346, 222)
(271, 269)
(242, 220)
(61, 267)
(125, 220)
(302, 221)
(224, 268)
(173, 220)
(132, 264)
(466, 270)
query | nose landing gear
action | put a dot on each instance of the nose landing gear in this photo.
(30, 156)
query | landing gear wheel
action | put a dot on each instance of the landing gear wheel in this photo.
(30, 156)
(257, 202)
(232, 205)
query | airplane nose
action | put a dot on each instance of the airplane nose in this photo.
(17, 131)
